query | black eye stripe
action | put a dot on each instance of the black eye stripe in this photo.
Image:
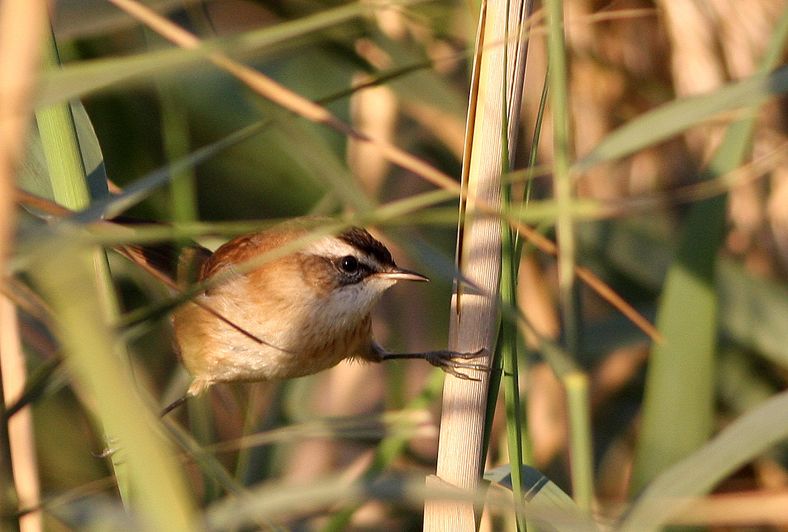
(366, 243)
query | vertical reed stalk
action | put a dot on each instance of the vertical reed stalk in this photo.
(21, 31)
(9, 504)
(20, 425)
(575, 385)
(580, 449)
(495, 94)
(562, 180)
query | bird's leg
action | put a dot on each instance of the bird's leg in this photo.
(448, 361)
(173, 405)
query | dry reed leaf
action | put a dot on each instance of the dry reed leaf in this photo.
(742, 509)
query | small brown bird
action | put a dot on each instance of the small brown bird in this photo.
(296, 315)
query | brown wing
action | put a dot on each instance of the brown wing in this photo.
(173, 263)
(244, 248)
(174, 266)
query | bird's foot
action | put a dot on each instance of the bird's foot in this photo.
(452, 361)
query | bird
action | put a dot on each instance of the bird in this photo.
(303, 311)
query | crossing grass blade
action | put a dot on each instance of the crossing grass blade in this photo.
(677, 116)
(82, 78)
(746, 438)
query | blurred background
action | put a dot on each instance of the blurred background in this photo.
(401, 73)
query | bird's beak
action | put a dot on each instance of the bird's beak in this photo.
(400, 274)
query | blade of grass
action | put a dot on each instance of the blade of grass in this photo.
(562, 180)
(518, 14)
(34, 175)
(507, 340)
(677, 116)
(678, 405)
(581, 458)
(68, 180)
(66, 275)
(175, 132)
(61, 148)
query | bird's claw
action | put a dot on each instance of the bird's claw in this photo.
(105, 453)
(451, 361)
(109, 450)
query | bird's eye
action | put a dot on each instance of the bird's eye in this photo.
(349, 264)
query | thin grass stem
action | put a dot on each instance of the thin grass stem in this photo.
(562, 179)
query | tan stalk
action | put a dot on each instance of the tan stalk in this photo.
(493, 108)
(20, 426)
(21, 33)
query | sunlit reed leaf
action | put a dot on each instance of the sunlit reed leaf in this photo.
(672, 118)
(744, 439)
(34, 175)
